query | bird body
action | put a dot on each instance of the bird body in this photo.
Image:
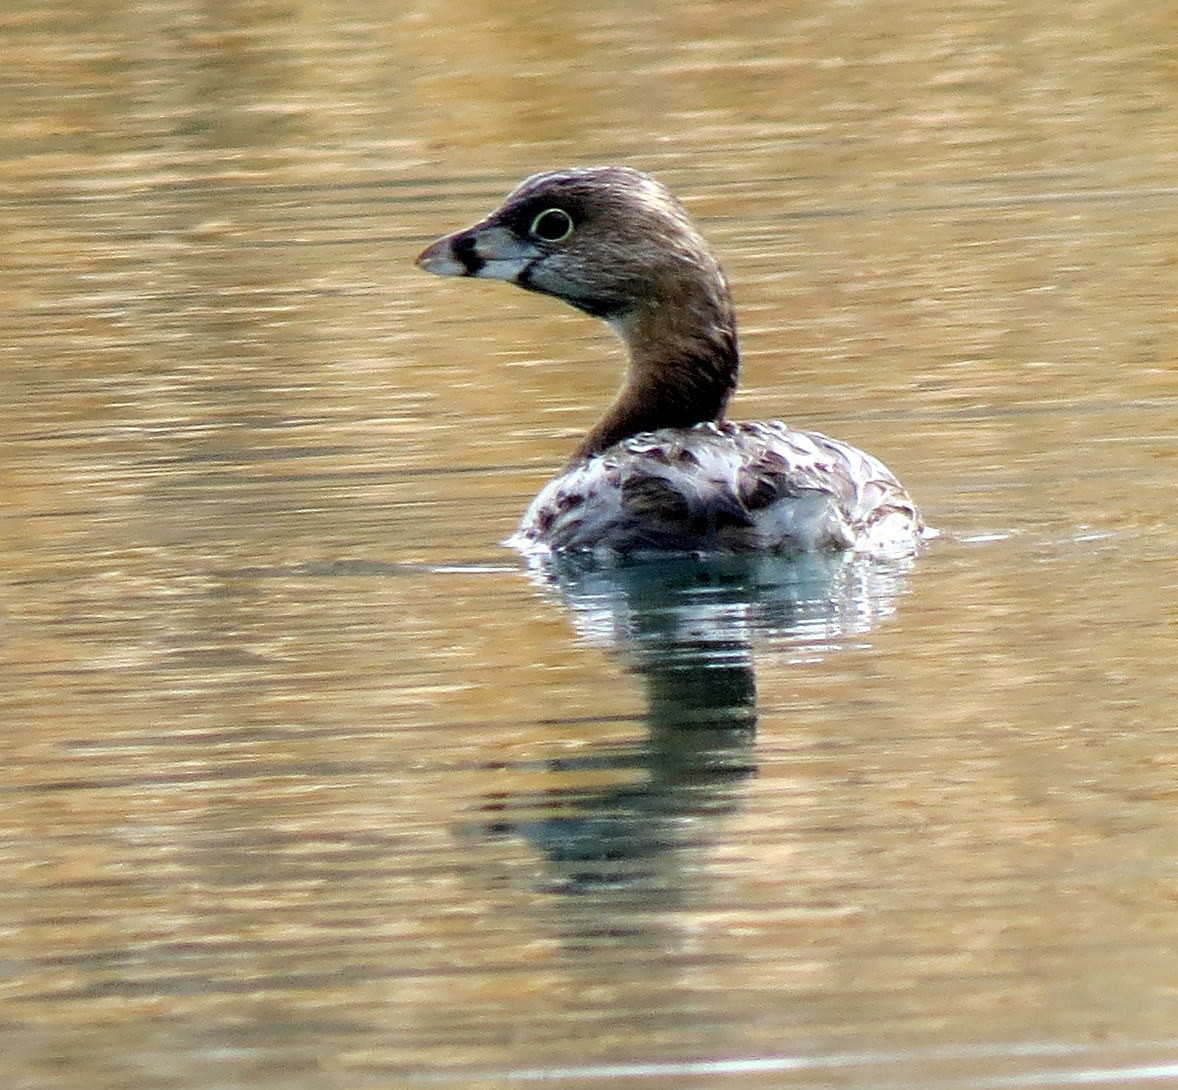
(722, 488)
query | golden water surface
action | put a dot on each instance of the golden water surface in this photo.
(307, 784)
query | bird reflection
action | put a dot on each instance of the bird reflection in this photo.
(687, 628)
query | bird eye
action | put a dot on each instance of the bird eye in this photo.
(552, 225)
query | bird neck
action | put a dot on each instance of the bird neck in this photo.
(683, 368)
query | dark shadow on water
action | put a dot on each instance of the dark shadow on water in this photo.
(624, 817)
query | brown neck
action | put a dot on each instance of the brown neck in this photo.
(682, 371)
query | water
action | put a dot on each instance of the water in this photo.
(308, 783)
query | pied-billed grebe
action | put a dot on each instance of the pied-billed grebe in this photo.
(663, 471)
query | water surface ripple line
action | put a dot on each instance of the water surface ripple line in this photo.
(762, 1065)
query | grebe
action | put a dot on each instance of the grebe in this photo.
(663, 471)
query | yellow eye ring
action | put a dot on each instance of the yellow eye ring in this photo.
(552, 225)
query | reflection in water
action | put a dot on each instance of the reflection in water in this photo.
(687, 627)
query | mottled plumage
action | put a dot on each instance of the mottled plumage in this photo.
(662, 471)
(723, 487)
